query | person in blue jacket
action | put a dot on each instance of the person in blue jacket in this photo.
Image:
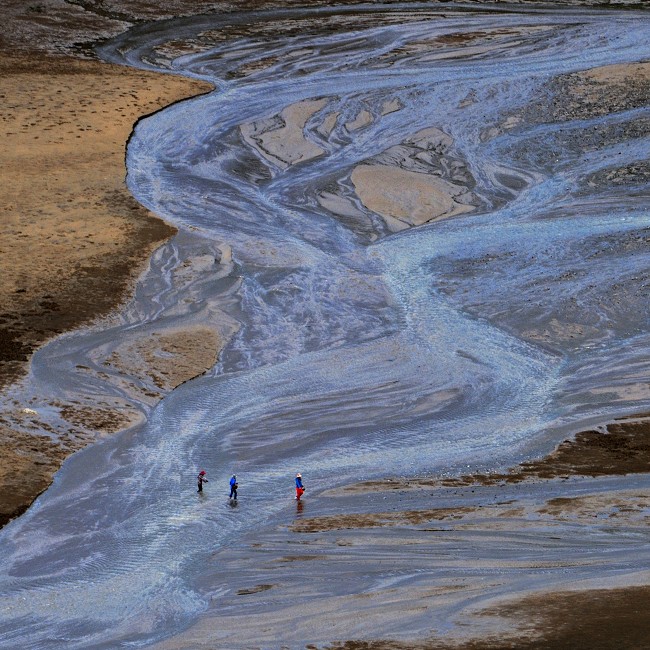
(233, 487)
(300, 488)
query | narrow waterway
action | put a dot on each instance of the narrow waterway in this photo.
(368, 345)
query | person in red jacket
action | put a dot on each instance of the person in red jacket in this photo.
(300, 488)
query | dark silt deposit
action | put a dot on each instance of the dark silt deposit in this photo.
(423, 231)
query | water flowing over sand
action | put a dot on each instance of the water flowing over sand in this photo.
(426, 263)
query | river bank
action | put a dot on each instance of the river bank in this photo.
(75, 240)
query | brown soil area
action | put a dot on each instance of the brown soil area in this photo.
(26, 468)
(601, 619)
(253, 590)
(602, 91)
(74, 238)
(376, 519)
(620, 508)
(168, 358)
(623, 448)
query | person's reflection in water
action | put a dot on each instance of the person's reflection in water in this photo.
(299, 507)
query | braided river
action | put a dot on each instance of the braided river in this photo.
(426, 261)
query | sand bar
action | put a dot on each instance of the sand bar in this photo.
(281, 140)
(405, 198)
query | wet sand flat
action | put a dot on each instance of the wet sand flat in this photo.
(621, 448)
(168, 358)
(409, 558)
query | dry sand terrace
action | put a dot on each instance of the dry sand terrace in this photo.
(74, 239)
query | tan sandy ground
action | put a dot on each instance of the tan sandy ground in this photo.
(168, 358)
(362, 119)
(281, 139)
(407, 197)
(402, 191)
(408, 184)
(73, 239)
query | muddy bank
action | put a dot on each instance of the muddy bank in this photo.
(607, 619)
(485, 507)
(620, 448)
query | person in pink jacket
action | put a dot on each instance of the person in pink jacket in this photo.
(201, 479)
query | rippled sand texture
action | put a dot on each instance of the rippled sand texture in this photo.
(424, 234)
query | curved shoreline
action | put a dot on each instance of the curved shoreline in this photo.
(75, 239)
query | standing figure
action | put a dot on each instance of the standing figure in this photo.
(300, 488)
(233, 487)
(200, 479)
